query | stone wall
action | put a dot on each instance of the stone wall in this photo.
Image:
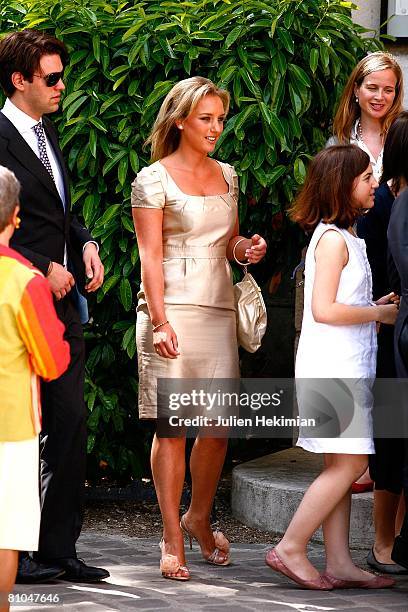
(368, 14)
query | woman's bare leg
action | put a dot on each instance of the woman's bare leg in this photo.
(206, 462)
(319, 501)
(336, 531)
(168, 469)
(399, 519)
(385, 514)
(8, 565)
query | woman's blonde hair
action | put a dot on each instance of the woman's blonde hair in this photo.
(177, 105)
(349, 110)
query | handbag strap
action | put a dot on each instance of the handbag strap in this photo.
(244, 265)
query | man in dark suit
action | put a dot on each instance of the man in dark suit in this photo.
(31, 71)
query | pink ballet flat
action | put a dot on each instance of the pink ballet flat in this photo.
(275, 562)
(376, 582)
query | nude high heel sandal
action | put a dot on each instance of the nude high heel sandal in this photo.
(221, 545)
(170, 565)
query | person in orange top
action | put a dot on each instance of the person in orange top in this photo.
(32, 345)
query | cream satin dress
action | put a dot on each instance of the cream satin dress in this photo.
(198, 292)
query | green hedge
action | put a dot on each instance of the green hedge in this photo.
(284, 63)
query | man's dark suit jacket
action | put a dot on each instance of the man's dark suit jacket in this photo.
(45, 227)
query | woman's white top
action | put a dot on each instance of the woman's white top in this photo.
(377, 164)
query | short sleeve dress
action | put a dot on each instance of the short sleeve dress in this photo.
(198, 290)
(335, 352)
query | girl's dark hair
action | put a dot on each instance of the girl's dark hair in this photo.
(327, 192)
(22, 52)
(395, 158)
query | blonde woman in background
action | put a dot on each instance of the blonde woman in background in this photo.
(186, 220)
(371, 101)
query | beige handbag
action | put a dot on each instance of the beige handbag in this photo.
(250, 309)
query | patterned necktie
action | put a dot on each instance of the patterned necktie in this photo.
(42, 148)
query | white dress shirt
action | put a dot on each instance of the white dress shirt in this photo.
(24, 125)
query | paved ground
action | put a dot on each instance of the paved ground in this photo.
(248, 584)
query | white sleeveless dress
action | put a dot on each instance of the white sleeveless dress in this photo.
(340, 352)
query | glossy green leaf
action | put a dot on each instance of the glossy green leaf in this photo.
(75, 106)
(233, 36)
(209, 35)
(187, 62)
(98, 123)
(71, 98)
(167, 48)
(299, 171)
(96, 46)
(260, 176)
(113, 161)
(276, 126)
(127, 337)
(276, 174)
(128, 224)
(244, 116)
(125, 292)
(250, 83)
(123, 170)
(135, 28)
(159, 91)
(85, 77)
(286, 40)
(134, 161)
(93, 139)
(313, 59)
(324, 55)
(295, 99)
(109, 213)
(119, 82)
(110, 283)
(109, 102)
(299, 74)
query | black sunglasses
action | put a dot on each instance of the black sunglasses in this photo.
(51, 79)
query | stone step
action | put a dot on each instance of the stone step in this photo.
(267, 491)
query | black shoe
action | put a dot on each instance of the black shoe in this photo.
(385, 568)
(400, 552)
(75, 570)
(31, 572)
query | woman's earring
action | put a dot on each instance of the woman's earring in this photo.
(356, 99)
(180, 127)
(17, 223)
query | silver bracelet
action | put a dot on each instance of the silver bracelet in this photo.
(233, 252)
(156, 327)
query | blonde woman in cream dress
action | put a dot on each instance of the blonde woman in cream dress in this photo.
(186, 222)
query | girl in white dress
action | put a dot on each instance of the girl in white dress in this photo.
(338, 340)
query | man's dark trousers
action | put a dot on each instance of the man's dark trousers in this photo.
(63, 447)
